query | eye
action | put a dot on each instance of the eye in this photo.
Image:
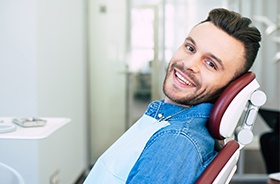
(190, 48)
(211, 64)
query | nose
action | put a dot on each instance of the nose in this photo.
(193, 63)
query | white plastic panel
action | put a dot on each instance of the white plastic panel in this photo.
(235, 109)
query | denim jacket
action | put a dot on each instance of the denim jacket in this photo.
(168, 144)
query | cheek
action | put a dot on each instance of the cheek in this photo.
(211, 84)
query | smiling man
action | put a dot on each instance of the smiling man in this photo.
(206, 62)
(170, 143)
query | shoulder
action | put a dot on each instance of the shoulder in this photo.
(172, 155)
(186, 138)
(172, 141)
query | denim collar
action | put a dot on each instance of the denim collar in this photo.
(159, 109)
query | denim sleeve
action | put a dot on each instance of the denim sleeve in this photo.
(169, 157)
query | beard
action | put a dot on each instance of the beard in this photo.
(191, 97)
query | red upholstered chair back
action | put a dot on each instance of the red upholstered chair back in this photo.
(240, 99)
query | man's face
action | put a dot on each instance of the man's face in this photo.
(205, 63)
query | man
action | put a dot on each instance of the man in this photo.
(170, 142)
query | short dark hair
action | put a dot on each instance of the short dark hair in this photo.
(240, 28)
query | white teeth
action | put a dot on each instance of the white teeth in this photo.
(183, 79)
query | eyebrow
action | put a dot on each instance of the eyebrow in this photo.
(210, 54)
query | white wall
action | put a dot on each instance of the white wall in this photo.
(18, 57)
(43, 66)
(107, 30)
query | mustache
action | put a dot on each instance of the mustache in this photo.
(185, 71)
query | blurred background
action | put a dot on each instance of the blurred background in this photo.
(101, 62)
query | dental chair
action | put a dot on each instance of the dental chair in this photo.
(231, 121)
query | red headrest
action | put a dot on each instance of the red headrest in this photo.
(224, 101)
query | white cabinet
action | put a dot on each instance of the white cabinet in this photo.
(41, 155)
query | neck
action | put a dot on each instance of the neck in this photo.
(168, 100)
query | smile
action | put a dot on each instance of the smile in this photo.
(183, 80)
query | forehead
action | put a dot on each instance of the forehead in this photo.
(210, 39)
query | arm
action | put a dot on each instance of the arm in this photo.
(169, 157)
